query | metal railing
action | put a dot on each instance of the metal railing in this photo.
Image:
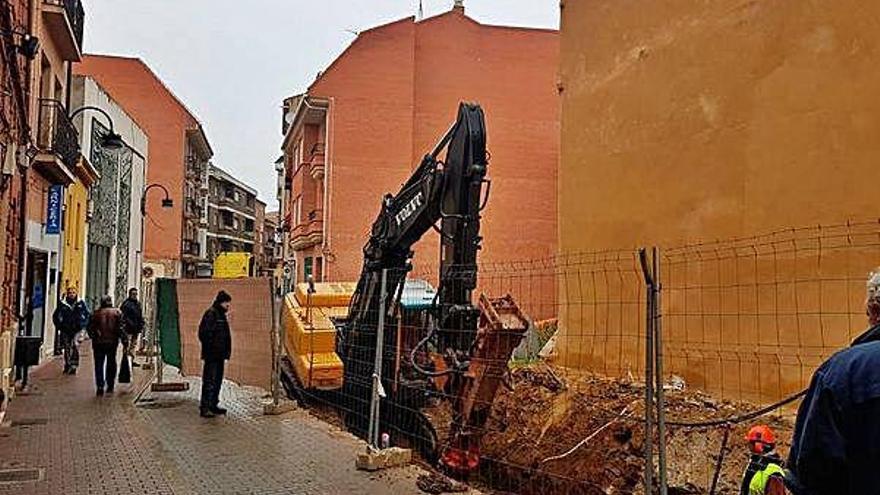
(75, 16)
(57, 133)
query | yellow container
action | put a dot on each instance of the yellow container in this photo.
(330, 294)
(232, 265)
(302, 335)
(326, 370)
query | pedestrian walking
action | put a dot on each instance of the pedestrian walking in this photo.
(133, 318)
(70, 318)
(216, 340)
(105, 330)
(834, 449)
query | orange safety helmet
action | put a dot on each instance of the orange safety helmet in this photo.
(761, 439)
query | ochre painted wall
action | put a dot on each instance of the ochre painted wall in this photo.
(76, 204)
(693, 120)
(689, 121)
(395, 92)
(165, 121)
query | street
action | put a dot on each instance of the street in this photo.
(95, 445)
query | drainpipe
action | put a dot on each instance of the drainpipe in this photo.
(23, 210)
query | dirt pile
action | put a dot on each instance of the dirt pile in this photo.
(578, 433)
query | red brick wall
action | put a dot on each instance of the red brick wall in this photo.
(393, 94)
(370, 137)
(137, 89)
(250, 320)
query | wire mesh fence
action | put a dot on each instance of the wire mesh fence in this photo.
(558, 404)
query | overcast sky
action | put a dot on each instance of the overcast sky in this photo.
(233, 61)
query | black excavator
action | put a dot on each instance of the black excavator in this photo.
(460, 355)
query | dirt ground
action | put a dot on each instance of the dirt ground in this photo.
(547, 412)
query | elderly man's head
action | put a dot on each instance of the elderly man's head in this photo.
(872, 304)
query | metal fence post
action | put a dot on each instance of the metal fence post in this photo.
(377, 367)
(649, 372)
(658, 364)
(276, 346)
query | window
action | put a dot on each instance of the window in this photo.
(227, 220)
(248, 247)
(319, 269)
(307, 268)
(248, 225)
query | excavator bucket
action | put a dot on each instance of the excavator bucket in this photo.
(502, 327)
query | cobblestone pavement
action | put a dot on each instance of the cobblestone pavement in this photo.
(105, 445)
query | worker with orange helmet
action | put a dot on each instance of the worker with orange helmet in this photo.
(764, 474)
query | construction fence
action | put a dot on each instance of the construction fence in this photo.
(175, 307)
(621, 359)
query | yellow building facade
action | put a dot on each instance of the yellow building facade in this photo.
(76, 227)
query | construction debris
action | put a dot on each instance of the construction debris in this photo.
(544, 439)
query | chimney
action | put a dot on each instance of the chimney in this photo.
(458, 6)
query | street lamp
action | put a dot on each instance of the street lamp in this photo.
(167, 202)
(28, 45)
(111, 140)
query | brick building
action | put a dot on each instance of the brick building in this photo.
(364, 124)
(179, 154)
(54, 145)
(234, 216)
(14, 136)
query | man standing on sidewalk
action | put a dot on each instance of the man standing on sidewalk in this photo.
(834, 449)
(216, 342)
(105, 329)
(133, 317)
(70, 317)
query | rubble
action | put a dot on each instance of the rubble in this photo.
(587, 438)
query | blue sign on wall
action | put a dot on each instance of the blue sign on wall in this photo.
(53, 214)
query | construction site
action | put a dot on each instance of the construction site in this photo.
(614, 269)
(627, 371)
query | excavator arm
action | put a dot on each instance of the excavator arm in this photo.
(451, 192)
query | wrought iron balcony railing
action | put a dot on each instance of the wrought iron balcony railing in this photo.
(57, 134)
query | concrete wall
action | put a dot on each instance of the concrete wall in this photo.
(688, 121)
(393, 94)
(164, 120)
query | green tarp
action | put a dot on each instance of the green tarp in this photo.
(168, 321)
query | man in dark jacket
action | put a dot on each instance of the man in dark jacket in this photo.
(216, 342)
(835, 449)
(70, 317)
(105, 330)
(133, 317)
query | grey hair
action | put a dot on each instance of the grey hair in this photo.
(874, 286)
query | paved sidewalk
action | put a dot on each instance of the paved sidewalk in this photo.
(105, 445)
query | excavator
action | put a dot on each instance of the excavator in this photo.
(461, 355)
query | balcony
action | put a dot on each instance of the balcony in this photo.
(317, 161)
(192, 209)
(190, 248)
(237, 233)
(57, 142)
(65, 20)
(308, 233)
